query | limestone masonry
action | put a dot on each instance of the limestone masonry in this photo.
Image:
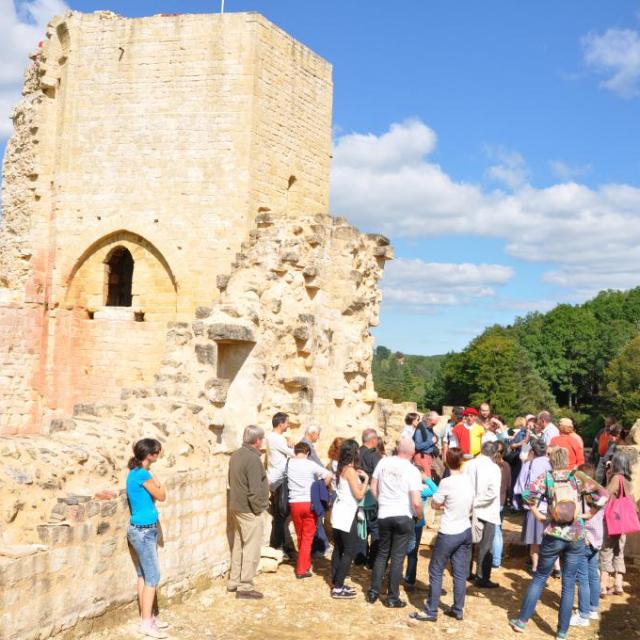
(168, 268)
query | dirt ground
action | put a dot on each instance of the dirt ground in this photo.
(295, 609)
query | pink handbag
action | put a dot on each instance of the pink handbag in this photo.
(621, 514)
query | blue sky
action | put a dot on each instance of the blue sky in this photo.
(495, 142)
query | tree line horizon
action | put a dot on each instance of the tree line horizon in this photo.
(581, 361)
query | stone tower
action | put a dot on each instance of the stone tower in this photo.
(143, 151)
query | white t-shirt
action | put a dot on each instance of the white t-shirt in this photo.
(456, 493)
(407, 433)
(302, 473)
(489, 436)
(396, 478)
(448, 438)
(277, 453)
(549, 433)
(486, 478)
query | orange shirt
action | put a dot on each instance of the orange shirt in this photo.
(571, 444)
(603, 443)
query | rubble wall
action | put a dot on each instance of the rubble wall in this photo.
(82, 567)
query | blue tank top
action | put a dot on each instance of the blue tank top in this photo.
(143, 508)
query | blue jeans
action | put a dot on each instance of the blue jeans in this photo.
(145, 545)
(589, 581)
(320, 539)
(456, 547)
(570, 554)
(412, 557)
(498, 543)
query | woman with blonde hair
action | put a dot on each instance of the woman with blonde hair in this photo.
(564, 533)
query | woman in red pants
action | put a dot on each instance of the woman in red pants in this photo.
(302, 473)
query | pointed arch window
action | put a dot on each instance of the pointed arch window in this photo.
(119, 277)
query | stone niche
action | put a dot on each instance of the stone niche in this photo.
(170, 273)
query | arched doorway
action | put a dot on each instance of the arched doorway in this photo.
(119, 277)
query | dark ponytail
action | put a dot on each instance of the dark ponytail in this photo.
(141, 449)
(349, 454)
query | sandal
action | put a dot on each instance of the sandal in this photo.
(606, 592)
(618, 591)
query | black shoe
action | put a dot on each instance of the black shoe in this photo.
(471, 577)
(394, 603)
(485, 584)
(371, 596)
(423, 616)
(409, 587)
(453, 614)
(557, 573)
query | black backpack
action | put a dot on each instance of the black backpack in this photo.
(282, 494)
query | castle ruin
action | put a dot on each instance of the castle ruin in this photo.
(168, 268)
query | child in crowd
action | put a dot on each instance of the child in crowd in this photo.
(588, 569)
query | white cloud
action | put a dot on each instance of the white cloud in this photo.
(22, 25)
(419, 285)
(578, 227)
(566, 171)
(404, 145)
(616, 53)
(511, 169)
(543, 305)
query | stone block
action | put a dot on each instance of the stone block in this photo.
(229, 333)
(206, 354)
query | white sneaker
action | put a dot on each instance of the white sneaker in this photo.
(578, 621)
(594, 615)
(150, 630)
(160, 623)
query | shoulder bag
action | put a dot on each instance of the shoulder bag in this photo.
(621, 513)
(283, 493)
(477, 525)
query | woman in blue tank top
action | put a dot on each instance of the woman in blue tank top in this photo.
(143, 490)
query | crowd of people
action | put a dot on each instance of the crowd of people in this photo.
(366, 506)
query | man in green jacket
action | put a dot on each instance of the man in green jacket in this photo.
(248, 499)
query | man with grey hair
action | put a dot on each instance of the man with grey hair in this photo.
(485, 477)
(426, 442)
(549, 430)
(248, 499)
(311, 436)
(397, 485)
(321, 544)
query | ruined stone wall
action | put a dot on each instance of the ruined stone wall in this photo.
(169, 134)
(290, 331)
(81, 565)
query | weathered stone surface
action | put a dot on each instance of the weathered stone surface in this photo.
(227, 332)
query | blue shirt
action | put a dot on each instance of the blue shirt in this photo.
(143, 508)
(424, 445)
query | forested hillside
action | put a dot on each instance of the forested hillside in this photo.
(583, 359)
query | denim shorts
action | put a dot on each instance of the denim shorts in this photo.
(145, 544)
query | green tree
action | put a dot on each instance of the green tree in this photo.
(622, 383)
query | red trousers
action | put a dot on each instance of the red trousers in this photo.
(304, 521)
